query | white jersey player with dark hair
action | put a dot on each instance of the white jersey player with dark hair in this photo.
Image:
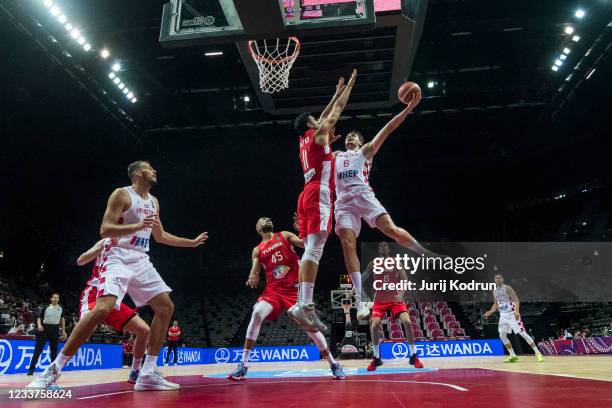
(510, 321)
(355, 199)
(131, 218)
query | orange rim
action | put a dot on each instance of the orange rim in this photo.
(288, 58)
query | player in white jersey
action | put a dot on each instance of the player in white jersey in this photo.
(355, 200)
(131, 217)
(510, 321)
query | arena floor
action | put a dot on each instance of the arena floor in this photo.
(460, 382)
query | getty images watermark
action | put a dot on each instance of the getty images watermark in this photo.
(390, 273)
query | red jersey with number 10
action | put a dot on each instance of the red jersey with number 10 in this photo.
(280, 262)
(317, 161)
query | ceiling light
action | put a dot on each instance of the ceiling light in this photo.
(579, 13)
(116, 66)
(569, 30)
(104, 53)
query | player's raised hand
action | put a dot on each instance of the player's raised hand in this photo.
(351, 81)
(253, 281)
(199, 240)
(340, 86)
(486, 314)
(414, 101)
(333, 136)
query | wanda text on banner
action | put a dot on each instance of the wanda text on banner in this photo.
(16, 355)
(188, 356)
(453, 348)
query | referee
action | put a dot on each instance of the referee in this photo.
(48, 329)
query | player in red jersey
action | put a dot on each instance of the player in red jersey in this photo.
(124, 319)
(314, 208)
(391, 302)
(276, 255)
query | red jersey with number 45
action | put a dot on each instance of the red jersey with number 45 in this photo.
(280, 262)
(317, 161)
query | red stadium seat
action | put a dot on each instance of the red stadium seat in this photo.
(449, 318)
(395, 330)
(458, 332)
(445, 311)
(436, 333)
(429, 318)
(433, 325)
(441, 305)
(417, 334)
(413, 313)
(429, 312)
(453, 325)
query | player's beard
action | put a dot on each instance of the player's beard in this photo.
(267, 228)
(152, 181)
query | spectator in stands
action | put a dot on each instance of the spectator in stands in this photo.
(174, 334)
(31, 331)
(586, 332)
(568, 335)
(578, 335)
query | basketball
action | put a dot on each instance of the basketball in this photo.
(407, 91)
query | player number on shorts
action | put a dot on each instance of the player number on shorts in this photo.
(277, 256)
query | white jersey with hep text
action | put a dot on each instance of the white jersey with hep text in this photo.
(505, 304)
(352, 173)
(139, 209)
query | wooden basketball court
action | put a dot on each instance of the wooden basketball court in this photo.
(463, 381)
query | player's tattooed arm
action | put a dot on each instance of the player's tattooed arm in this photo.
(293, 239)
(371, 148)
(161, 236)
(491, 310)
(118, 202)
(339, 88)
(253, 279)
(91, 254)
(321, 136)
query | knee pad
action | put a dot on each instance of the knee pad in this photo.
(313, 248)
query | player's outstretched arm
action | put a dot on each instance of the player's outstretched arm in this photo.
(339, 88)
(371, 148)
(293, 239)
(118, 202)
(491, 310)
(321, 136)
(253, 279)
(91, 254)
(163, 237)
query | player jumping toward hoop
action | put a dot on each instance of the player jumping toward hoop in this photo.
(276, 255)
(355, 199)
(389, 302)
(510, 321)
(314, 207)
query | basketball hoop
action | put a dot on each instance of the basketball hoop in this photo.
(274, 61)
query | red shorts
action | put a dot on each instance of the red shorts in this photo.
(280, 299)
(393, 308)
(315, 209)
(117, 319)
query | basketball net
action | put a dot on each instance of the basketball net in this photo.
(274, 60)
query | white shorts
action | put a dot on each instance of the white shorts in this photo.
(351, 208)
(509, 324)
(128, 271)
